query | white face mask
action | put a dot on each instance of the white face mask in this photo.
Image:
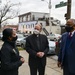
(36, 31)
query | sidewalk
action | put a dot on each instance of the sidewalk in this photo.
(51, 68)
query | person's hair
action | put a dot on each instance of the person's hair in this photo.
(73, 20)
(39, 25)
(7, 33)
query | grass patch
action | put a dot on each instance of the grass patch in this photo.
(20, 48)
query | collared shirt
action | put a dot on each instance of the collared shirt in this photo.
(72, 33)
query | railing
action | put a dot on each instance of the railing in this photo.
(45, 31)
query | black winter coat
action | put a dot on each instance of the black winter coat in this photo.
(10, 59)
(32, 49)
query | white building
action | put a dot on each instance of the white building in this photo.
(28, 20)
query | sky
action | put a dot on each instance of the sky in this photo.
(42, 6)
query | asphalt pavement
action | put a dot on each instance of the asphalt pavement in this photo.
(51, 68)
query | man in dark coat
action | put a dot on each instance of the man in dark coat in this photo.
(37, 47)
(66, 58)
(10, 58)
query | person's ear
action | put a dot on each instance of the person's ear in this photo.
(74, 27)
(9, 38)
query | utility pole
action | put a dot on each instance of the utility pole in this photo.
(68, 14)
(49, 7)
(50, 24)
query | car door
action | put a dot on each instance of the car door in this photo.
(52, 36)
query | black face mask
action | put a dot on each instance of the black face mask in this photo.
(69, 28)
(14, 38)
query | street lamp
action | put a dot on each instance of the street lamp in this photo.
(49, 6)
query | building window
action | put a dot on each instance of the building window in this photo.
(29, 26)
(24, 18)
(28, 17)
(26, 26)
(20, 19)
(33, 17)
(26, 31)
(33, 25)
(30, 32)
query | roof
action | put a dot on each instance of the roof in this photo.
(31, 12)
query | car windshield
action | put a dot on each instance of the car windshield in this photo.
(57, 34)
(20, 36)
(51, 34)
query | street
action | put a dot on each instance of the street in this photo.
(51, 68)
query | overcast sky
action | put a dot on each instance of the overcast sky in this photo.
(42, 6)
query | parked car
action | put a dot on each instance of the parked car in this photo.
(58, 43)
(26, 34)
(54, 37)
(52, 47)
(23, 43)
(18, 41)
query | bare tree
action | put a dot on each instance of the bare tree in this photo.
(8, 10)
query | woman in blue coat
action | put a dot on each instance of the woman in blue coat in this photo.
(10, 58)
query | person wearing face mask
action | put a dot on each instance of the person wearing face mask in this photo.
(66, 58)
(10, 58)
(37, 47)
